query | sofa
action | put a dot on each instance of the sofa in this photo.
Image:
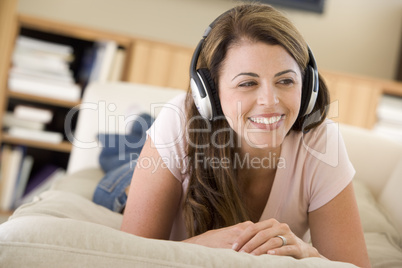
(62, 227)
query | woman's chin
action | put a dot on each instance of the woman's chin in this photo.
(263, 140)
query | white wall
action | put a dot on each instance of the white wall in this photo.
(356, 36)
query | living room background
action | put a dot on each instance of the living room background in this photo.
(360, 37)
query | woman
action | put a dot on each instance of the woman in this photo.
(260, 173)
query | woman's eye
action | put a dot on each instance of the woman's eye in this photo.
(286, 82)
(248, 84)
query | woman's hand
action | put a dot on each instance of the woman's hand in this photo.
(220, 238)
(257, 238)
(264, 238)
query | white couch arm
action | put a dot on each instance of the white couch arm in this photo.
(374, 157)
(104, 108)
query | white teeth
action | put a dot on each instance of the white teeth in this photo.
(266, 120)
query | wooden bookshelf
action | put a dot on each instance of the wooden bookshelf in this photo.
(68, 29)
(159, 64)
(355, 98)
(393, 88)
(146, 61)
(8, 30)
(44, 100)
(64, 146)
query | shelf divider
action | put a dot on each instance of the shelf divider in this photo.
(64, 146)
(44, 100)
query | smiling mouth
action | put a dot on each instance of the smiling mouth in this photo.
(266, 120)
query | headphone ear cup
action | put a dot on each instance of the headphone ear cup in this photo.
(307, 90)
(210, 88)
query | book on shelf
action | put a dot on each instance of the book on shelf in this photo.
(42, 53)
(104, 56)
(5, 170)
(10, 120)
(43, 56)
(44, 88)
(25, 172)
(34, 114)
(104, 61)
(117, 67)
(36, 45)
(16, 185)
(37, 74)
(42, 68)
(87, 63)
(50, 65)
(389, 114)
(40, 182)
(390, 109)
(36, 135)
(11, 165)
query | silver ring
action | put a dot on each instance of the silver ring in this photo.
(284, 241)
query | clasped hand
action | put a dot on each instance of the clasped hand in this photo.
(257, 238)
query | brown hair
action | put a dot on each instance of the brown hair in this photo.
(213, 199)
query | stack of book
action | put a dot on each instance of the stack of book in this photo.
(28, 122)
(16, 186)
(389, 114)
(42, 68)
(102, 62)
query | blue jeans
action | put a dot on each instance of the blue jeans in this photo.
(110, 191)
(118, 159)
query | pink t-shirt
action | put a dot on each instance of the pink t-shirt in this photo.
(313, 168)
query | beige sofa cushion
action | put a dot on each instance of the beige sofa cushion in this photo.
(382, 252)
(391, 197)
(373, 156)
(67, 205)
(82, 182)
(374, 218)
(65, 229)
(382, 238)
(62, 229)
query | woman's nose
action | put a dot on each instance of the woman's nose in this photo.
(267, 96)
